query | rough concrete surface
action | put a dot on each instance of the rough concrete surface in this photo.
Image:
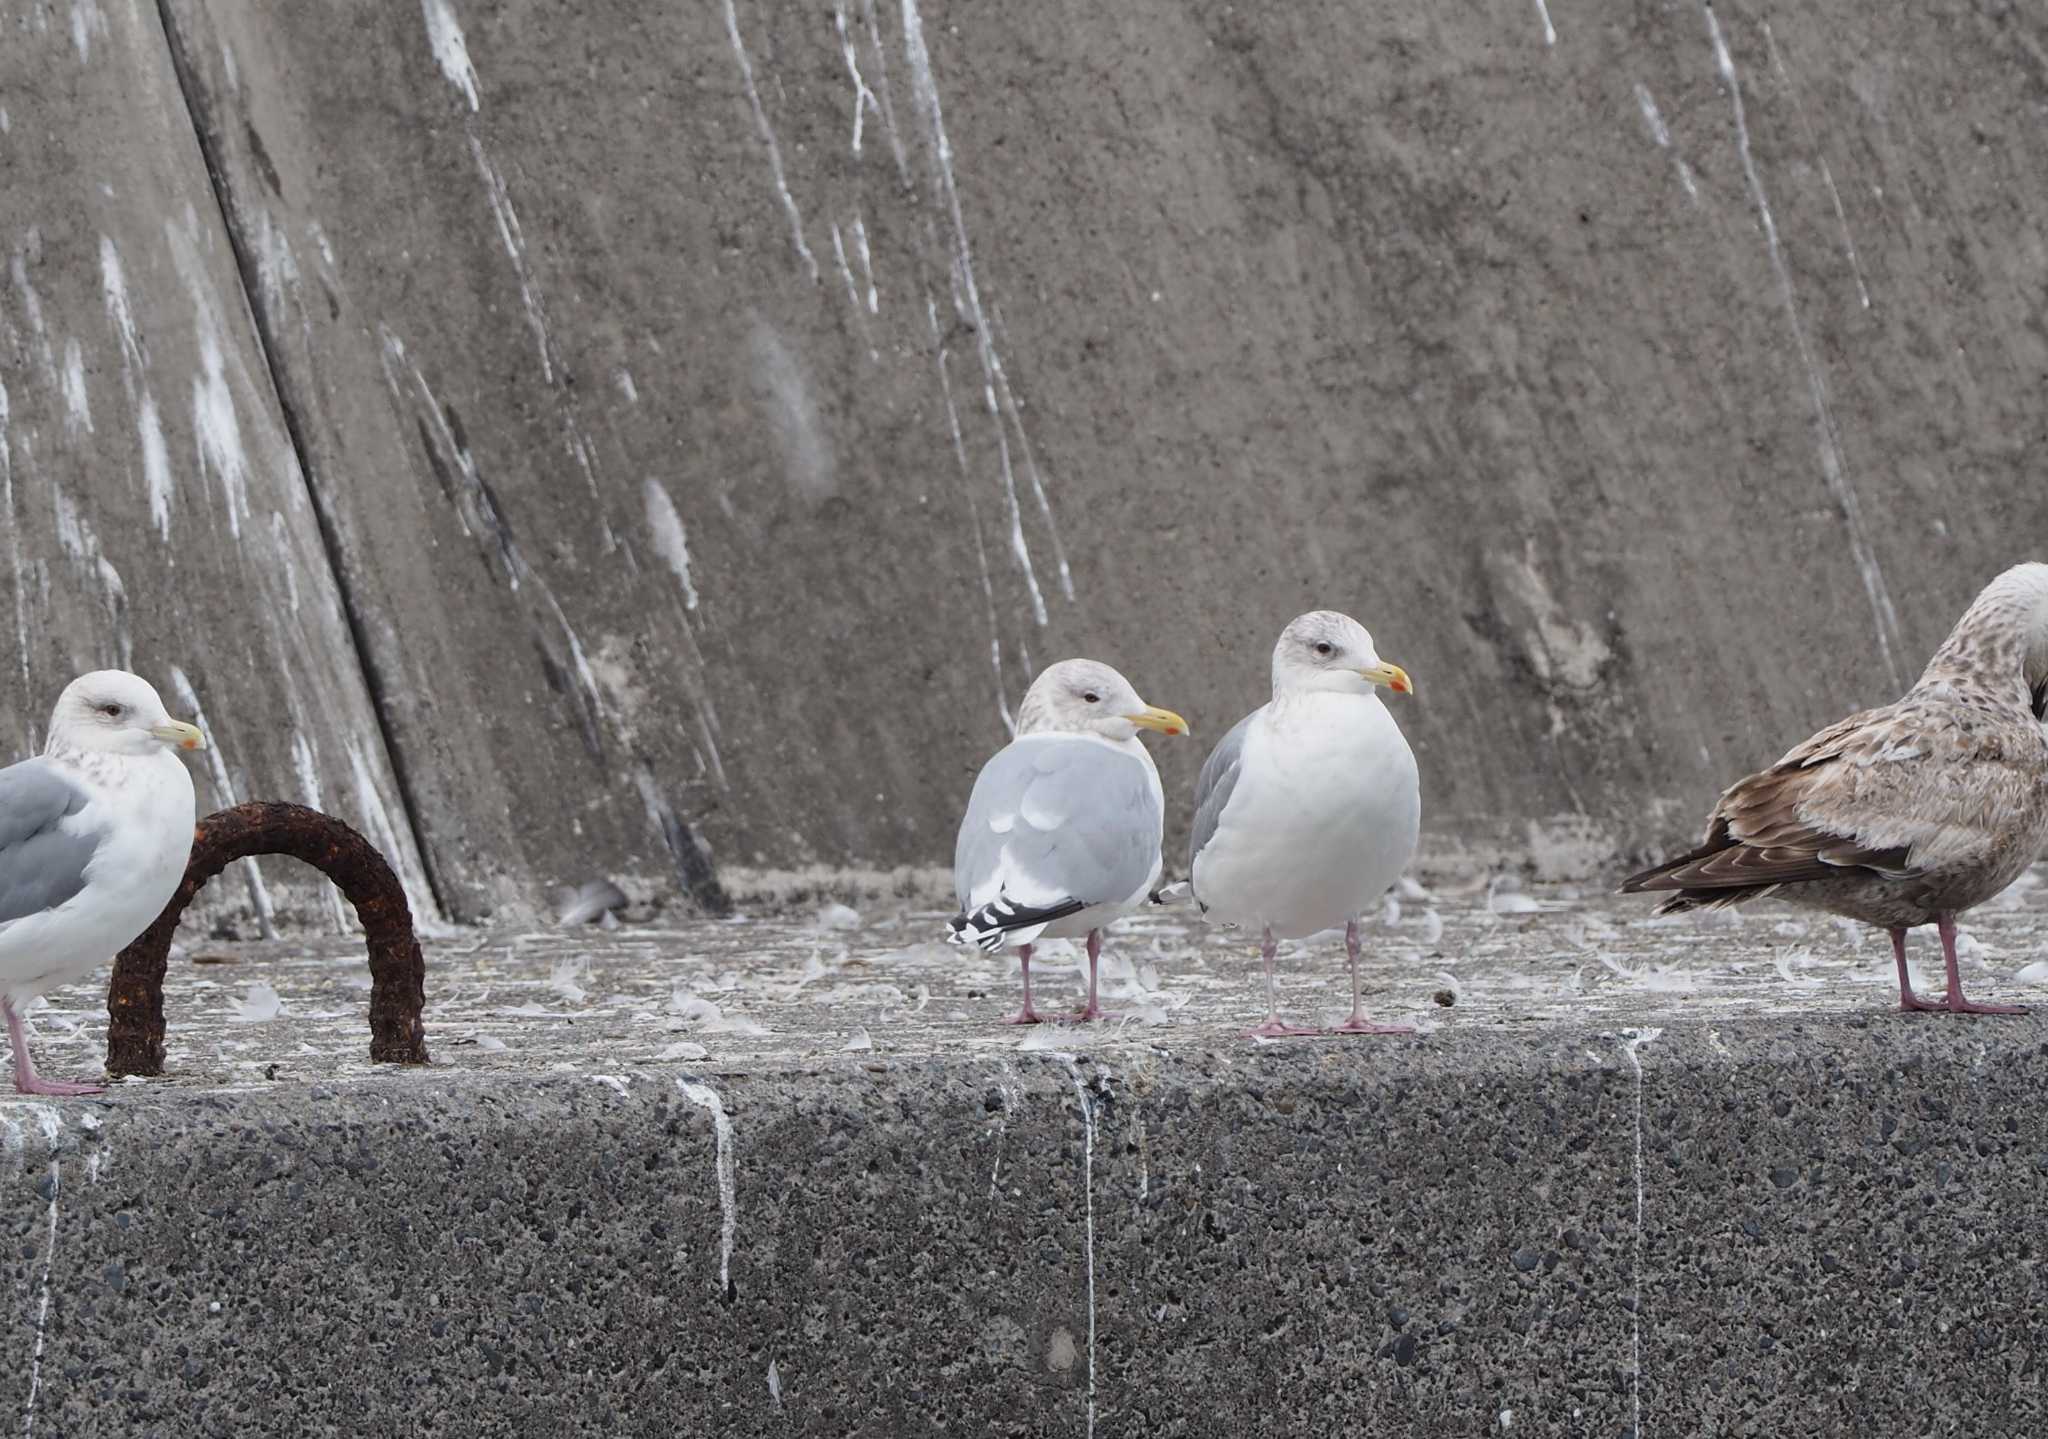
(718, 412)
(573, 440)
(154, 515)
(1640, 1176)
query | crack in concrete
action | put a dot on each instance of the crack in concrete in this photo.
(375, 683)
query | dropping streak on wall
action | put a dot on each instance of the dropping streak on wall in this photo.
(597, 439)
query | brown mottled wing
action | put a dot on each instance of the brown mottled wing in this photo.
(1862, 794)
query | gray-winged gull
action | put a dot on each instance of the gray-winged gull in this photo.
(1904, 815)
(1062, 830)
(1309, 808)
(94, 836)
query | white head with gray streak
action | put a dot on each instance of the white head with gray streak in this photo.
(1998, 650)
(1326, 651)
(1088, 697)
(114, 712)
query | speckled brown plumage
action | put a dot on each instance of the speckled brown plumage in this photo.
(1904, 815)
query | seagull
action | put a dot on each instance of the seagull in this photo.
(1062, 830)
(1309, 808)
(1905, 815)
(94, 835)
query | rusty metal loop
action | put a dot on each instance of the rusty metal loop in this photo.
(135, 1002)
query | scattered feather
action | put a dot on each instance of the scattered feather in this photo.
(1504, 896)
(701, 1014)
(1666, 979)
(259, 1004)
(591, 901)
(1968, 946)
(562, 979)
(1785, 961)
(838, 916)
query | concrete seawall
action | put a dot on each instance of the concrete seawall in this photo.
(662, 443)
(1306, 1243)
(768, 1178)
(684, 432)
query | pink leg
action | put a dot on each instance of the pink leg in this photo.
(1946, 923)
(1093, 1010)
(25, 1078)
(1026, 1015)
(1272, 1028)
(1358, 1023)
(1908, 1000)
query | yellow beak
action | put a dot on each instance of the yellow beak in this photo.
(1392, 676)
(1165, 721)
(180, 735)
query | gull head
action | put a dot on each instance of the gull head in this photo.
(114, 712)
(1088, 697)
(2001, 638)
(2030, 585)
(1323, 650)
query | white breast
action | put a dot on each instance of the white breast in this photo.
(1324, 817)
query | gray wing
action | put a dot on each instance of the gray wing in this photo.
(41, 866)
(1214, 788)
(1058, 819)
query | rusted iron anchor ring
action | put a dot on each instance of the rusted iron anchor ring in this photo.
(135, 1003)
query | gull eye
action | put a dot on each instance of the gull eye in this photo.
(111, 711)
(1325, 648)
(1091, 697)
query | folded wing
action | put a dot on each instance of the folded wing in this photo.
(1056, 824)
(41, 864)
(1894, 793)
(1215, 786)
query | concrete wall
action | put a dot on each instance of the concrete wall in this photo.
(1558, 1236)
(717, 412)
(155, 515)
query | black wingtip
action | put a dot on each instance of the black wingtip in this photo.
(1168, 895)
(988, 926)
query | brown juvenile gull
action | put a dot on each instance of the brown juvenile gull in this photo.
(1309, 808)
(94, 835)
(1062, 831)
(1904, 815)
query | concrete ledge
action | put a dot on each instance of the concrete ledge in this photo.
(1818, 1220)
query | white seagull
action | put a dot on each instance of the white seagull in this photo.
(94, 836)
(1309, 808)
(1904, 815)
(1062, 830)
